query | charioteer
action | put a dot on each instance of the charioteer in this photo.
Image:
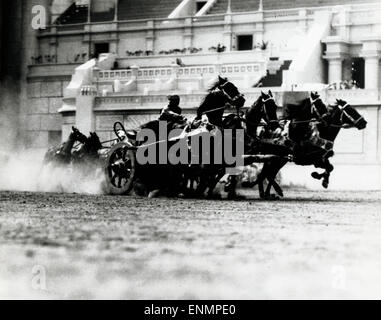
(172, 112)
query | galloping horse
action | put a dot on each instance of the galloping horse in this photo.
(263, 109)
(62, 154)
(223, 93)
(88, 152)
(339, 116)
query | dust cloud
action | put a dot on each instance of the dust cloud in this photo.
(24, 171)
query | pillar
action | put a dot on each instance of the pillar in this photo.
(116, 9)
(84, 117)
(188, 33)
(335, 70)
(338, 49)
(228, 32)
(371, 52)
(372, 69)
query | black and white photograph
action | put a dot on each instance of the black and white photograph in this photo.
(190, 150)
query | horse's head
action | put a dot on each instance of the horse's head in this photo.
(76, 135)
(349, 115)
(269, 108)
(314, 96)
(230, 91)
(318, 108)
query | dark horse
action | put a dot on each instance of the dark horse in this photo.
(62, 154)
(341, 115)
(269, 142)
(173, 179)
(88, 151)
(223, 93)
(262, 112)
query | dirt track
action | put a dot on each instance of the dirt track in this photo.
(310, 245)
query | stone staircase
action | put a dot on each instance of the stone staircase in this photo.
(274, 77)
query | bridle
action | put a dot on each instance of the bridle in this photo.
(313, 107)
(345, 113)
(228, 96)
(264, 101)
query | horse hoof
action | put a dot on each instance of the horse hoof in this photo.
(325, 184)
(315, 175)
(153, 194)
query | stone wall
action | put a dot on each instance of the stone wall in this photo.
(43, 122)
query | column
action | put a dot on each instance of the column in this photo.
(188, 33)
(337, 51)
(116, 9)
(371, 52)
(335, 70)
(89, 13)
(228, 32)
(84, 117)
(372, 69)
(150, 36)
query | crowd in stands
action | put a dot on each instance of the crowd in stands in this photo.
(344, 85)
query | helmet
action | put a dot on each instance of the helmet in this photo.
(174, 98)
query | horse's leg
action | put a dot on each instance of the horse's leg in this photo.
(213, 182)
(202, 184)
(260, 180)
(232, 192)
(271, 176)
(328, 169)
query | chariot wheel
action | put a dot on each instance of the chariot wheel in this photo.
(119, 169)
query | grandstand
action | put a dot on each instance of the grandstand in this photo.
(253, 5)
(148, 49)
(145, 9)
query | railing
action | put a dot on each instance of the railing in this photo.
(182, 72)
(354, 96)
(281, 13)
(110, 75)
(191, 72)
(150, 73)
(242, 68)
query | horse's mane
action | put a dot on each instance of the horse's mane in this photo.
(254, 107)
(216, 84)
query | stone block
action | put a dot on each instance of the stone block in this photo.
(38, 106)
(33, 122)
(51, 122)
(34, 89)
(51, 89)
(54, 104)
(38, 139)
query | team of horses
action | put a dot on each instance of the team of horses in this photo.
(305, 135)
